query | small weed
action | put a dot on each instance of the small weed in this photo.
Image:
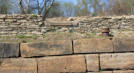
(71, 31)
(90, 34)
(35, 36)
(52, 30)
(93, 33)
(24, 41)
(20, 36)
(87, 35)
(34, 15)
(100, 70)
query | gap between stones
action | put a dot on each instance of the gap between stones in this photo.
(86, 63)
(37, 65)
(19, 50)
(66, 54)
(99, 62)
(72, 46)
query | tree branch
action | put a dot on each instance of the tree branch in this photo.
(21, 6)
(48, 9)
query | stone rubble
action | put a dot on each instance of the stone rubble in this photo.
(33, 24)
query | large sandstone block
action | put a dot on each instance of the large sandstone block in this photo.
(9, 49)
(93, 45)
(18, 66)
(60, 47)
(92, 62)
(124, 71)
(123, 45)
(117, 61)
(102, 72)
(62, 64)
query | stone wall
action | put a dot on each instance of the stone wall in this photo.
(91, 24)
(93, 55)
(33, 24)
(20, 24)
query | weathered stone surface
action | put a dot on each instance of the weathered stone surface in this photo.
(59, 47)
(123, 45)
(77, 24)
(62, 64)
(93, 45)
(102, 72)
(17, 23)
(18, 66)
(124, 71)
(67, 23)
(1, 20)
(9, 49)
(117, 61)
(92, 62)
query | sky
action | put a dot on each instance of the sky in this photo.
(74, 1)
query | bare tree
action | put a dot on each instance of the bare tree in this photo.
(81, 9)
(21, 6)
(119, 7)
(42, 6)
(68, 9)
(47, 4)
(5, 6)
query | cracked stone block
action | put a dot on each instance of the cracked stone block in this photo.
(18, 65)
(59, 47)
(9, 50)
(62, 64)
(123, 45)
(92, 62)
(92, 45)
(124, 71)
(117, 61)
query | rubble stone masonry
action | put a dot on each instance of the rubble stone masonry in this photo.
(11, 25)
(32, 24)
